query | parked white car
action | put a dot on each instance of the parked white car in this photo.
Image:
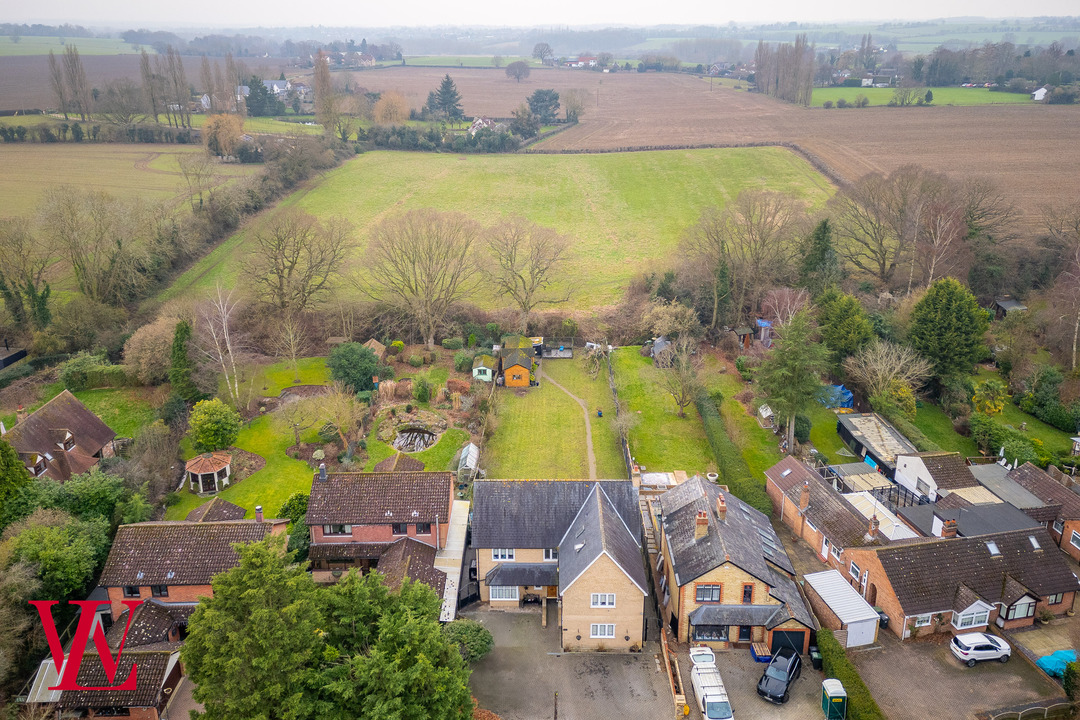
(970, 648)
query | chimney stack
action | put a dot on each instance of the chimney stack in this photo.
(721, 508)
(258, 513)
(701, 525)
(20, 414)
(322, 472)
(948, 529)
(874, 525)
(804, 497)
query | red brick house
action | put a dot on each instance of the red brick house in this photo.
(61, 438)
(355, 517)
(963, 584)
(174, 562)
(1064, 528)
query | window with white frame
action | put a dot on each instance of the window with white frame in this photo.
(1055, 599)
(337, 529)
(811, 525)
(1075, 540)
(837, 551)
(922, 620)
(1059, 526)
(973, 618)
(504, 592)
(1022, 608)
(602, 630)
(707, 593)
(854, 570)
(603, 600)
(551, 554)
(502, 553)
(922, 487)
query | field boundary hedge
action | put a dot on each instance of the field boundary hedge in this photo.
(734, 471)
(836, 664)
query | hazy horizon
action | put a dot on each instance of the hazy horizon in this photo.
(556, 13)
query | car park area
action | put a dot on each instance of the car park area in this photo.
(741, 674)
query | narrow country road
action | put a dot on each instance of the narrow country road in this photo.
(588, 424)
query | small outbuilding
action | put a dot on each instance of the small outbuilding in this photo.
(1005, 305)
(483, 368)
(376, 347)
(840, 607)
(1040, 94)
(209, 472)
(1076, 445)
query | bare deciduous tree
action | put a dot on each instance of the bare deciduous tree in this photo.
(422, 262)
(683, 379)
(782, 304)
(218, 340)
(526, 261)
(340, 407)
(876, 367)
(325, 97)
(56, 81)
(297, 414)
(291, 341)
(296, 259)
(24, 258)
(121, 102)
(78, 89)
(863, 225)
(197, 169)
(1063, 224)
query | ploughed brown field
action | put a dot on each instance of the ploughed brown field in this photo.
(1032, 150)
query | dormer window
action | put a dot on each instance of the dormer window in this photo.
(69, 442)
(39, 467)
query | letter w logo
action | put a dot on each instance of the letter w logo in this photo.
(69, 673)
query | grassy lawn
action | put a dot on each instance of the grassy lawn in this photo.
(437, 457)
(540, 434)
(626, 212)
(937, 426)
(41, 45)
(823, 433)
(942, 96)
(759, 447)
(1055, 440)
(596, 394)
(662, 441)
(125, 410)
(268, 126)
(269, 487)
(270, 380)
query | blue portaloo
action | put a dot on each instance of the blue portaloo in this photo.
(837, 396)
(1054, 664)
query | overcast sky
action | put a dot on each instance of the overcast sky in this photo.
(351, 13)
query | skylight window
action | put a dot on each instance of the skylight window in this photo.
(993, 548)
(786, 473)
(1034, 543)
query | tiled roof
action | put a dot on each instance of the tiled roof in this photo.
(948, 470)
(828, 510)
(744, 538)
(515, 573)
(1047, 489)
(516, 358)
(209, 462)
(768, 616)
(215, 510)
(536, 513)
(925, 576)
(154, 666)
(151, 623)
(598, 530)
(178, 553)
(45, 429)
(347, 551)
(413, 559)
(380, 498)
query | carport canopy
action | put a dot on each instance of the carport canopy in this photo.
(856, 615)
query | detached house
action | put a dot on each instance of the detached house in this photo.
(575, 542)
(393, 521)
(174, 562)
(725, 579)
(964, 584)
(61, 438)
(1064, 525)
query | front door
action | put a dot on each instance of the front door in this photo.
(825, 548)
(553, 591)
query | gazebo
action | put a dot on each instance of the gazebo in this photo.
(209, 472)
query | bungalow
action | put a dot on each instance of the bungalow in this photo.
(1064, 527)
(873, 439)
(725, 578)
(484, 368)
(61, 438)
(964, 584)
(174, 562)
(354, 518)
(574, 542)
(933, 474)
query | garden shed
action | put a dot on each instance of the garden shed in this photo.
(840, 607)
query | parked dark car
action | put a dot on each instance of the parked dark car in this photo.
(784, 668)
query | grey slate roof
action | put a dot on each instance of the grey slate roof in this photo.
(745, 538)
(925, 576)
(523, 574)
(970, 520)
(995, 478)
(768, 616)
(599, 530)
(536, 513)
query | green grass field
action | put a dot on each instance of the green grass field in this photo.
(268, 126)
(625, 212)
(147, 172)
(33, 45)
(125, 410)
(596, 394)
(1056, 441)
(662, 441)
(942, 96)
(270, 380)
(937, 426)
(758, 447)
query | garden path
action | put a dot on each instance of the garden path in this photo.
(588, 425)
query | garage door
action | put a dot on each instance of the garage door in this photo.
(794, 639)
(862, 633)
